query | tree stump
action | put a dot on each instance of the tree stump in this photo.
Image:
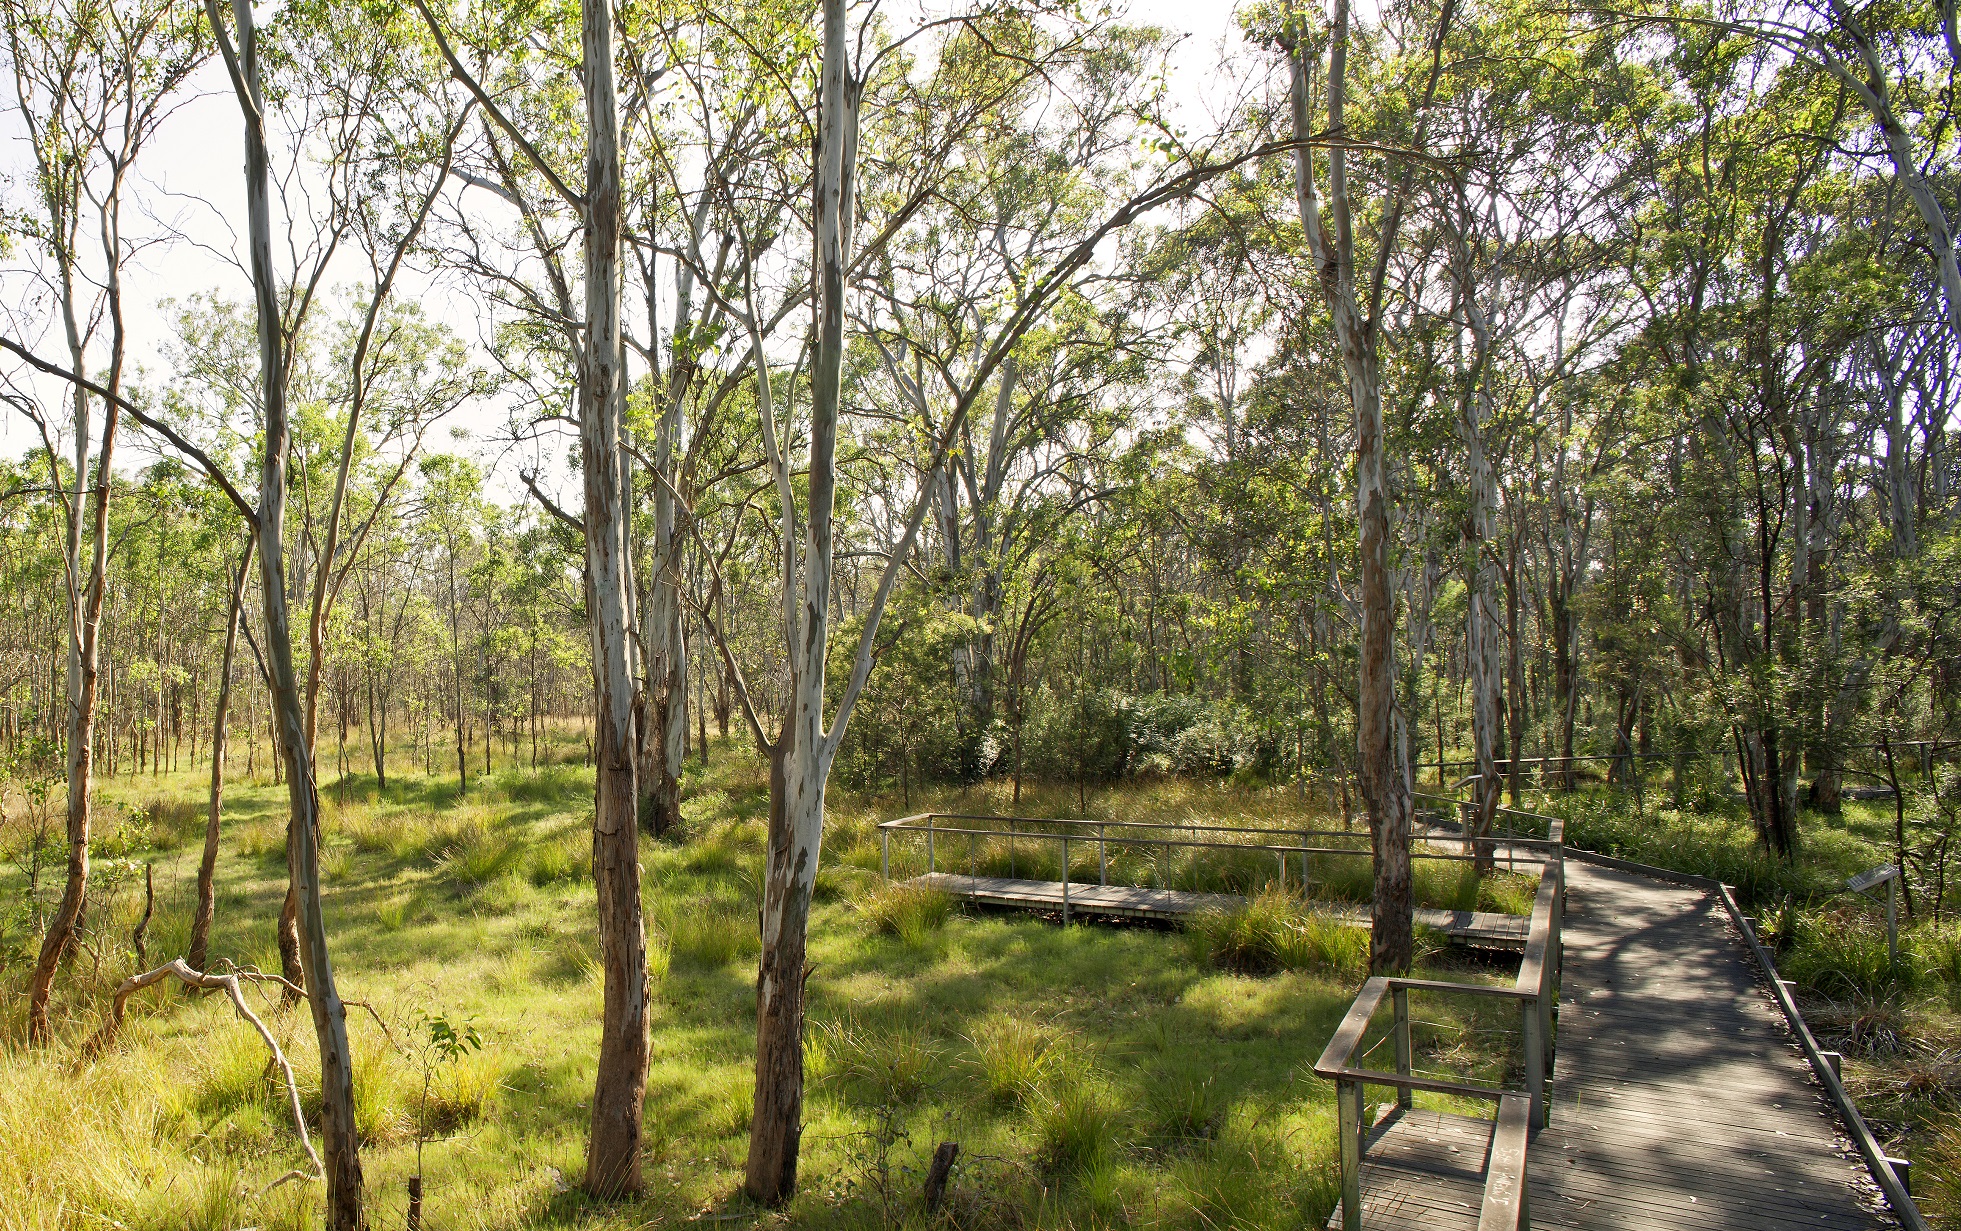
(936, 1175)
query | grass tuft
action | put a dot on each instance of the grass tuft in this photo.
(878, 1066)
(1075, 1127)
(1275, 932)
(911, 912)
(1016, 1057)
(712, 935)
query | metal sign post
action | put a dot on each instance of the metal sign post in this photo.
(1889, 875)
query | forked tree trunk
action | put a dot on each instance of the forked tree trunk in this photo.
(341, 1147)
(208, 862)
(85, 616)
(613, 1152)
(1384, 790)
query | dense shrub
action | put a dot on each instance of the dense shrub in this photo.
(1106, 735)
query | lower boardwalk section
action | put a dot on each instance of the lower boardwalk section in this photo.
(1423, 1170)
(1679, 1098)
(1131, 902)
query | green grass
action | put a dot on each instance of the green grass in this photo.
(1095, 1076)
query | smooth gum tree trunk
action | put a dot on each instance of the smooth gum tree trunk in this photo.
(800, 763)
(1485, 632)
(620, 1088)
(340, 1146)
(1384, 790)
(85, 622)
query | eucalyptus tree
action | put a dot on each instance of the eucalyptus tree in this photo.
(523, 151)
(92, 82)
(806, 743)
(1356, 293)
(1530, 227)
(1027, 188)
(240, 47)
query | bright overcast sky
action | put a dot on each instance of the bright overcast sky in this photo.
(191, 183)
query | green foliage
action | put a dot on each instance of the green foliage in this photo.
(1275, 932)
(909, 911)
(1075, 1126)
(878, 1066)
(1017, 1057)
(1719, 845)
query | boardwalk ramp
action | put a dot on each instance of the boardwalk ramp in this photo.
(1677, 1100)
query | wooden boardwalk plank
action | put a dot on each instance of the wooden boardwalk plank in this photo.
(1132, 902)
(1679, 1101)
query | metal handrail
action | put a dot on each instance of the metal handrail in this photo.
(1535, 991)
(911, 822)
(1102, 838)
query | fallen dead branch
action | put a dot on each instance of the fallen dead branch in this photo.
(181, 970)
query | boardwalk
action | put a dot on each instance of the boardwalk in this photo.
(1678, 1098)
(1129, 902)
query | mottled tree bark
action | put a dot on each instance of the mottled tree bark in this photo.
(1384, 790)
(800, 761)
(620, 1088)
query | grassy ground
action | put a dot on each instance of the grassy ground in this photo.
(1096, 1076)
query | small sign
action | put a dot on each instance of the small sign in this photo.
(1877, 876)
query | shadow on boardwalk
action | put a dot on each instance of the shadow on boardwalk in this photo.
(1679, 1097)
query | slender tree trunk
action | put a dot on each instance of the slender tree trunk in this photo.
(800, 764)
(1483, 632)
(613, 1152)
(208, 862)
(341, 1148)
(1515, 671)
(1385, 791)
(85, 617)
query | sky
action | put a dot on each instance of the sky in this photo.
(190, 187)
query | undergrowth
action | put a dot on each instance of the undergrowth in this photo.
(1094, 1076)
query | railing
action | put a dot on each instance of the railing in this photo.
(1535, 991)
(1068, 833)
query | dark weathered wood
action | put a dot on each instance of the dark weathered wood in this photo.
(1132, 902)
(936, 1175)
(1505, 1206)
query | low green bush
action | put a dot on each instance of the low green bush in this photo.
(1075, 1127)
(1016, 1057)
(877, 1066)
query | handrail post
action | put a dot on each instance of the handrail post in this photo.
(1404, 1095)
(884, 853)
(1011, 848)
(1535, 1061)
(1348, 1102)
(1065, 880)
(929, 843)
(1102, 857)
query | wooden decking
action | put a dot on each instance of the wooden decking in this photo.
(1129, 902)
(1678, 1100)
